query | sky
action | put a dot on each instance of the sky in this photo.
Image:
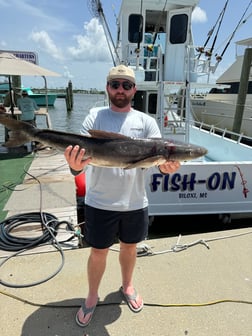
(69, 40)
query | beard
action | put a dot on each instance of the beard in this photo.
(120, 100)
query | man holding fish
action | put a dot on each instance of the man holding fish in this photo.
(116, 201)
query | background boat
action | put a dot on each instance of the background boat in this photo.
(218, 107)
(40, 98)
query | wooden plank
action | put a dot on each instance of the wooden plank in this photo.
(48, 166)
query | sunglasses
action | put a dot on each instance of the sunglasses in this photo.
(126, 85)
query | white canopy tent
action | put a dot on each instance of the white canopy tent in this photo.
(11, 65)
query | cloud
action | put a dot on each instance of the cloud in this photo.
(199, 15)
(67, 74)
(92, 45)
(45, 42)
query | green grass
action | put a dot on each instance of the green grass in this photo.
(12, 173)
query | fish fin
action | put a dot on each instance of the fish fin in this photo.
(146, 163)
(106, 135)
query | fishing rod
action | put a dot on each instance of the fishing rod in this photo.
(232, 35)
(158, 23)
(215, 38)
(220, 18)
(139, 37)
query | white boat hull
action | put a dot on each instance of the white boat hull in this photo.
(220, 183)
(219, 110)
(213, 187)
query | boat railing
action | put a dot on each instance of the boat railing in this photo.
(177, 128)
(148, 59)
(223, 132)
(202, 60)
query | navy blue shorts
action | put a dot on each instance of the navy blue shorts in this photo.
(103, 227)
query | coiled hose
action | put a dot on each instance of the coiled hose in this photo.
(10, 242)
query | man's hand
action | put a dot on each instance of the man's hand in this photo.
(74, 156)
(169, 167)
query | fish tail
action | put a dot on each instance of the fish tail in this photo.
(17, 139)
(20, 131)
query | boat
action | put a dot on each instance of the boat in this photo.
(41, 99)
(155, 38)
(218, 106)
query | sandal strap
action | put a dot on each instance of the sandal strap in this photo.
(132, 296)
(86, 310)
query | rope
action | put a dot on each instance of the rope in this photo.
(163, 305)
(145, 250)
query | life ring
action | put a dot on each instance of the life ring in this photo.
(80, 183)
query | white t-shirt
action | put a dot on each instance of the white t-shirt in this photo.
(118, 189)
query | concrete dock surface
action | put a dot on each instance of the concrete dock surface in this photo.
(189, 290)
(182, 291)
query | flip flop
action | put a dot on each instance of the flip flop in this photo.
(85, 311)
(128, 298)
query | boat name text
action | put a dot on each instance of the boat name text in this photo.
(188, 182)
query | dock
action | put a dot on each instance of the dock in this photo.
(194, 285)
(48, 187)
(42, 112)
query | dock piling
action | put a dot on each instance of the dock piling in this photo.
(69, 96)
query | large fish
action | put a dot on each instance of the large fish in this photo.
(105, 148)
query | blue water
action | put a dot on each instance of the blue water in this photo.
(71, 121)
(61, 119)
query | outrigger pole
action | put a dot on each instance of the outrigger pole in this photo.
(96, 9)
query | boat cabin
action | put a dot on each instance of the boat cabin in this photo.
(155, 39)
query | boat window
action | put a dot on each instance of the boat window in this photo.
(145, 102)
(178, 31)
(234, 87)
(152, 103)
(217, 90)
(135, 28)
(139, 101)
(250, 87)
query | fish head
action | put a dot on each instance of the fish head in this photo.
(179, 151)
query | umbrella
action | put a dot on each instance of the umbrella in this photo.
(11, 65)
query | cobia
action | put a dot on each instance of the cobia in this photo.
(106, 149)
